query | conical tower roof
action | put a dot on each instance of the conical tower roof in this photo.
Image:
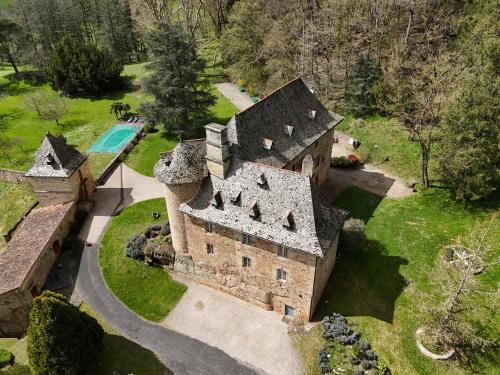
(55, 158)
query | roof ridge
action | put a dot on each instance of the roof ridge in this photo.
(268, 95)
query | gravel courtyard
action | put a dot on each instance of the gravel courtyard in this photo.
(246, 332)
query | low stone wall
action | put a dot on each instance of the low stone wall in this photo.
(12, 176)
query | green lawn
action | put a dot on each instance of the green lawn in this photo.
(381, 289)
(386, 144)
(99, 161)
(147, 152)
(15, 199)
(124, 356)
(88, 118)
(149, 291)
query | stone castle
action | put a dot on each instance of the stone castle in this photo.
(246, 214)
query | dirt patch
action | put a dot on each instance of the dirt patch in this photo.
(199, 305)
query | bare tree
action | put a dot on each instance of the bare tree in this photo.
(191, 14)
(47, 106)
(457, 315)
(5, 145)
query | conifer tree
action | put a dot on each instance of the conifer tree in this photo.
(182, 95)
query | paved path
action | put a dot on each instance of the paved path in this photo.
(180, 353)
(233, 93)
(242, 330)
(136, 188)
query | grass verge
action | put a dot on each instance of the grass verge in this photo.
(15, 199)
(122, 355)
(383, 288)
(147, 290)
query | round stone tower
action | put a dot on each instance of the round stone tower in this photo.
(181, 171)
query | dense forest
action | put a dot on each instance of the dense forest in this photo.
(433, 65)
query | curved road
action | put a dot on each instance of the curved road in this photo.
(181, 354)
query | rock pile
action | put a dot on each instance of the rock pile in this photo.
(336, 329)
(136, 246)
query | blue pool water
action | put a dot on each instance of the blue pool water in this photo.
(115, 138)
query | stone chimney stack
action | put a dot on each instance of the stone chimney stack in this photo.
(218, 153)
(308, 166)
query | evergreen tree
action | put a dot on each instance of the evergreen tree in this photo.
(62, 339)
(182, 97)
(360, 96)
(75, 68)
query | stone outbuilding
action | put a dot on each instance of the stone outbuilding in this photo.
(246, 213)
(27, 261)
(60, 173)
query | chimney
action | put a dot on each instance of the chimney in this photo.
(218, 154)
(308, 165)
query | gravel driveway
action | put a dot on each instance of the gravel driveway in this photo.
(245, 332)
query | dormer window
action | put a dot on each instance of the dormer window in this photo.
(49, 159)
(289, 130)
(217, 199)
(311, 113)
(254, 211)
(267, 143)
(261, 180)
(287, 220)
(236, 198)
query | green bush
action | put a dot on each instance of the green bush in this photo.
(6, 358)
(352, 236)
(341, 162)
(61, 338)
(83, 69)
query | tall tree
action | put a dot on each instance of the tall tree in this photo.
(182, 97)
(9, 41)
(77, 68)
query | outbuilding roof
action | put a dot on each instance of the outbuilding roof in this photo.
(185, 164)
(277, 205)
(28, 244)
(281, 125)
(55, 158)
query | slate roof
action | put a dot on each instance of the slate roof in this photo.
(28, 243)
(55, 158)
(268, 194)
(185, 164)
(270, 118)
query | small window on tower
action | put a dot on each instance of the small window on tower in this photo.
(246, 262)
(210, 249)
(281, 274)
(208, 227)
(283, 251)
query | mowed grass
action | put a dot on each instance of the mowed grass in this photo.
(17, 347)
(88, 118)
(122, 355)
(147, 290)
(147, 152)
(386, 144)
(15, 200)
(382, 289)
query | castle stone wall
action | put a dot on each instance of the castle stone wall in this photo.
(174, 196)
(257, 284)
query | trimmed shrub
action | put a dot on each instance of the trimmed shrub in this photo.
(352, 236)
(350, 161)
(6, 358)
(61, 338)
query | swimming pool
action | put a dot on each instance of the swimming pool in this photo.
(115, 138)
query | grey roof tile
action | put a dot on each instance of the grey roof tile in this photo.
(185, 164)
(261, 208)
(290, 105)
(55, 158)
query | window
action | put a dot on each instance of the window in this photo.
(208, 227)
(289, 310)
(281, 274)
(247, 262)
(282, 251)
(210, 249)
(246, 239)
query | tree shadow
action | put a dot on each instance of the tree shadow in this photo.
(127, 357)
(365, 283)
(12, 84)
